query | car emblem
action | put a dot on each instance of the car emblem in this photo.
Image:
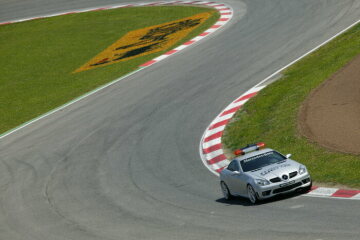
(285, 177)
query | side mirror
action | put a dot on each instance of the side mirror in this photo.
(288, 155)
(236, 173)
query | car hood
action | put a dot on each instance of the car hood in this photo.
(276, 170)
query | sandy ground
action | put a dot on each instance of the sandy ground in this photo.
(330, 116)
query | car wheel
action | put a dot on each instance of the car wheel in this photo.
(225, 190)
(252, 194)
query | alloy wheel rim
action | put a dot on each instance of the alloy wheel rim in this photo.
(224, 190)
(251, 194)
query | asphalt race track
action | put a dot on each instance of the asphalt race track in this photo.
(124, 163)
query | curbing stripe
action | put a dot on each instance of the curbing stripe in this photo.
(215, 130)
(224, 122)
(224, 117)
(213, 136)
(212, 143)
(231, 110)
(204, 34)
(216, 153)
(212, 148)
(322, 191)
(189, 42)
(171, 52)
(216, 159)
(345, 193)
(246, 97)
(357, 196)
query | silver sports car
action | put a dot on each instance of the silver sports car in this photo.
(258, 173)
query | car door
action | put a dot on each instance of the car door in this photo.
(238, 180)
(229, 174)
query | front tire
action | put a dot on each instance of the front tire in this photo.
(252, 194)
(308, 188)
(225, 190)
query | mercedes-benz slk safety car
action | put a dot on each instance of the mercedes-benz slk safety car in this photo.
(258, 173)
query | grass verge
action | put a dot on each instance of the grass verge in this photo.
(38, 57)
(272, 115)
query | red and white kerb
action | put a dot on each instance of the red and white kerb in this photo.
(214, 157)
(226, 14)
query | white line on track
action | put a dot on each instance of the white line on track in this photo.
(67, 104)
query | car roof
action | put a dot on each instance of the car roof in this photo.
(254, 153)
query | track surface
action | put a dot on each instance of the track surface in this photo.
(124, 163)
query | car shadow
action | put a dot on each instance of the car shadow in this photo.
(235, 201)
(245, 202)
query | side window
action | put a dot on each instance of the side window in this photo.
(233, 166)
(236, 166)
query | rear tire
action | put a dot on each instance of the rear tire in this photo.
(252, 194)
(225, 190)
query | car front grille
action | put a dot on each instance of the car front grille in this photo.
(293, 174)
(306, 180)
(266, 193)
(287, 188)
(275, 180)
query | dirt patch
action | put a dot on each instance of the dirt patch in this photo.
(330, 116)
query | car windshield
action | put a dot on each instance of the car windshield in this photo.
(260, 161)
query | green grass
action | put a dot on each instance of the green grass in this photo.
(271, 116)
(38, 57)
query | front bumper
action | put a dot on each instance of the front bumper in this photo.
(274, 189)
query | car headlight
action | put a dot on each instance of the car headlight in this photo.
(302, 169)
(262, 182)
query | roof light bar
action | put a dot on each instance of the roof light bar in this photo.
(249, 148)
